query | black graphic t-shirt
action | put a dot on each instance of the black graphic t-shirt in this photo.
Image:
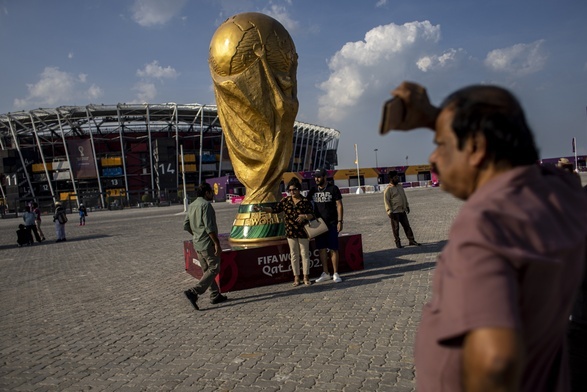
(325, 203)
(291, 212)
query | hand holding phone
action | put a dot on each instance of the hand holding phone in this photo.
(410, 108)
(394, 113)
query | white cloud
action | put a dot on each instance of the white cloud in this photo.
(154, 70)
(155, 12)
(145, 88)
(519, 59)
(146, 92)
(381, 3)
(56, 88)
(366, 67)
(280, 14)
(434, 62)
(70, 55)
(94, 92)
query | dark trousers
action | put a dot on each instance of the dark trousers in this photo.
(211, 266)
(577, 338)
(33, 230)
(396, 219)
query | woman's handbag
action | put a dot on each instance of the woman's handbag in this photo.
(315, 227)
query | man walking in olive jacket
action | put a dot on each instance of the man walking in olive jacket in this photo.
(398, 208)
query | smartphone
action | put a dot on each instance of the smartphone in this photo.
(394, 112)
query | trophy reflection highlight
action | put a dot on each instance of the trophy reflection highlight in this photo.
(253, 63)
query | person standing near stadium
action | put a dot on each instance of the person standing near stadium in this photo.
(83, 212)
(60, 219)
(297, 211)
(200, 222)
(398, 208)
(327, 201)
(37, 212)
(31, 228)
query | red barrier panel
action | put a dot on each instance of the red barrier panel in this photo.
(247, 266)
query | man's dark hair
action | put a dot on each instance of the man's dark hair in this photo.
(394, 180)
(498, 115)
(202, 189)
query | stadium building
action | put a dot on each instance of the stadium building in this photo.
(126, 154)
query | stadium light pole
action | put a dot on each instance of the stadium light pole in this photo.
(376, 163)
(185, 193)
(359, 190)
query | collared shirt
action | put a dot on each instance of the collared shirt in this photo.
(29, 218)
(395, 199)
(291, 210)
(200, 218)
(514, 259)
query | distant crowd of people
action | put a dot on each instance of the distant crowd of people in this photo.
(31, 230)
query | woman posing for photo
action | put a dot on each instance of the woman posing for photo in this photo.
(297, 210)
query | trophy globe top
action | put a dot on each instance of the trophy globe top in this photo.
(243, 38)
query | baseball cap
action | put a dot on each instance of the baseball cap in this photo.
(320, 173)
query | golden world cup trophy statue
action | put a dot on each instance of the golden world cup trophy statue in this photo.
(253, 63)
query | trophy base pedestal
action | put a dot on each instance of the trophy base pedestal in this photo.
(252, 227)
(250, 265)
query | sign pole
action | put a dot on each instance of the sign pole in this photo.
(359, 190)
(185, 195)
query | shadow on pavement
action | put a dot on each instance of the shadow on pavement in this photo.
(50, 242)
(383, 258)
(379, 266)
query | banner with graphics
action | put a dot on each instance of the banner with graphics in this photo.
(82, 159)
(267, 263)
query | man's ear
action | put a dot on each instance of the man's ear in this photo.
(477, 146)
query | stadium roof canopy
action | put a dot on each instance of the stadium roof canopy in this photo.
(81, 120)
(139, 138)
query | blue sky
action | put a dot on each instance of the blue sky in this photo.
(351, 54)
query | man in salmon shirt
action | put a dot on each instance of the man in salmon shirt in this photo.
(505, 282)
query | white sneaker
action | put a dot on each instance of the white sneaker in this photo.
(336, 278)
(323, 278)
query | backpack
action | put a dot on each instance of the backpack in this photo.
(61, 217)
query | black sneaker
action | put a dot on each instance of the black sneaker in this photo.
(399, 246)
(219, 299)
(192, 296)
(415, 243)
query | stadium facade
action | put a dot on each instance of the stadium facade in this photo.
(127, 153)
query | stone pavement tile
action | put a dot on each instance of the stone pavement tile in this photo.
(105, 310)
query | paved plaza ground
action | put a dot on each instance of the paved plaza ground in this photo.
(105, 311)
